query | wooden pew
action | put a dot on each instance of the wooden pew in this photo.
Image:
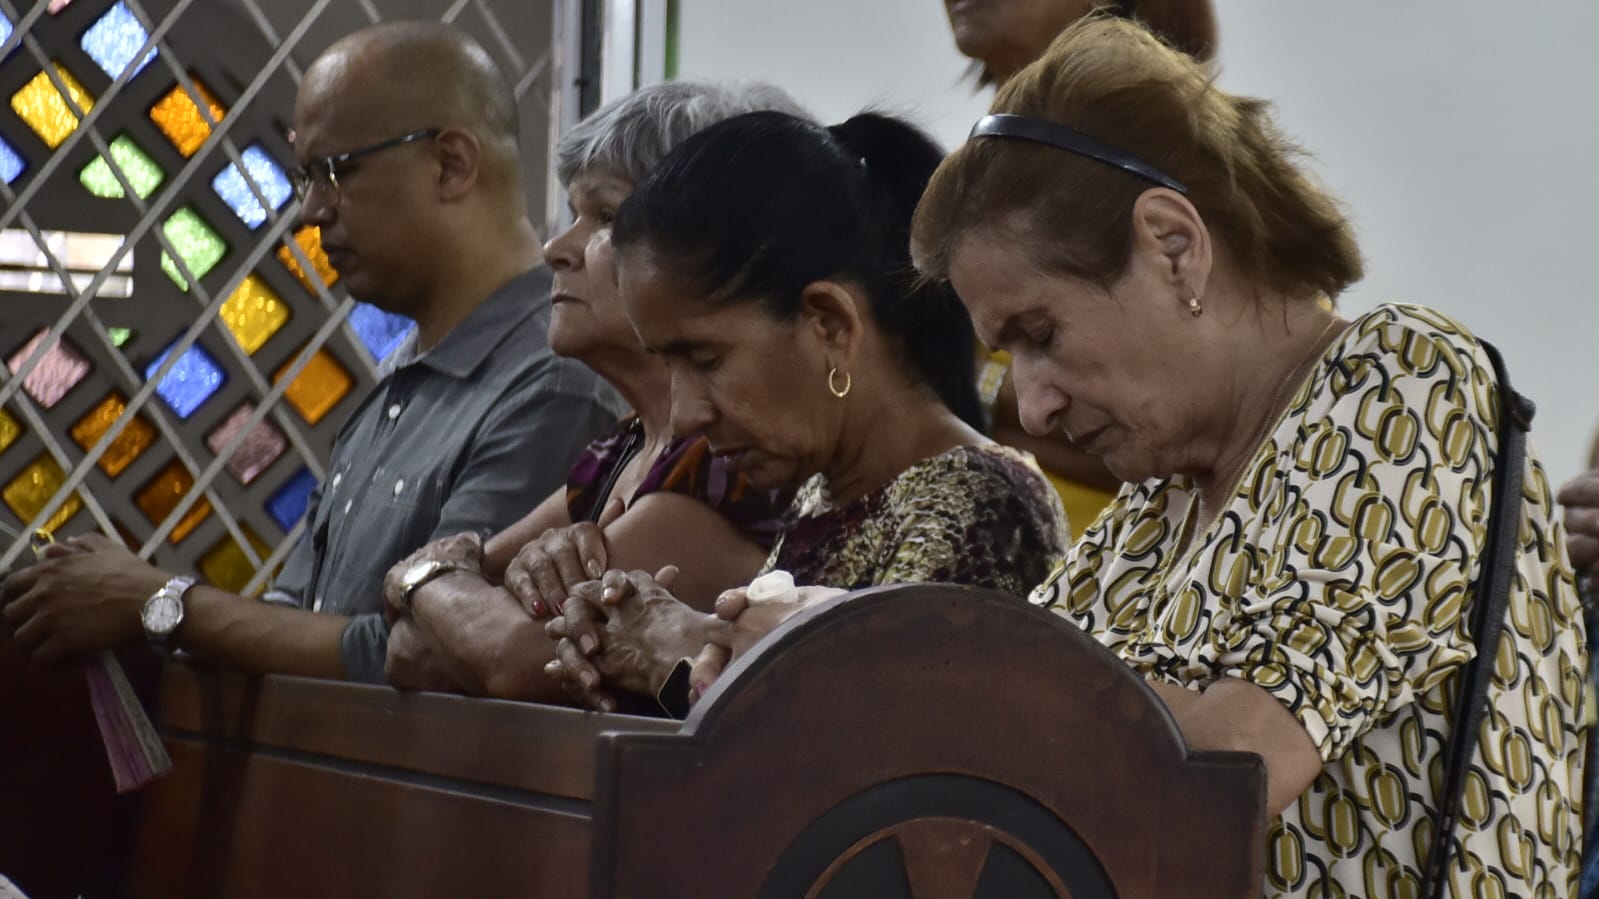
(922, 742)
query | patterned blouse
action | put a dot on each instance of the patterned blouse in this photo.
(1335, 580)
(981, 516)
(686, 466)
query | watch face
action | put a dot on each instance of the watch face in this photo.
(162, 614)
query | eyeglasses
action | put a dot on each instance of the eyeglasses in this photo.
(1056, 135)
(323, 171)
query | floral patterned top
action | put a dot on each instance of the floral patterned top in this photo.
(983, 516)
(686, 466)
(1335, 580)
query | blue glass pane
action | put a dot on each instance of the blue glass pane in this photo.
(380, 331)
(288, 504)
(233, 190)
(11, 163)
(190, 382)
(113, 39)
(5, 28)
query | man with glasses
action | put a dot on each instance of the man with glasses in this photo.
(407, 137)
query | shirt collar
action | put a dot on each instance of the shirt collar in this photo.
(471, 342)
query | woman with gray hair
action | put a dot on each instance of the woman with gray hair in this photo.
(463, 612)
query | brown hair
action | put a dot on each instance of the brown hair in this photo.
(1112, 79)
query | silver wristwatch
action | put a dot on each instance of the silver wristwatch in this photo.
(163, 612)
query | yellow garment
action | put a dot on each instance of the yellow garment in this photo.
(1082, 502)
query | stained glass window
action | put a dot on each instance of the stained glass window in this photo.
(310, 240)
(141, 171)
(180, 120)
(231, 187)
(253, 313)
(12, 165)
(380, 331)
(200, 246)
(190, 382)
(288, 504)
(5, 28)
(29, 491)
(318, 387)
(158, 498)
(119, 336)
(259, 449)
(114, 38)
(46, 111)
(62, 367)
(133, 440)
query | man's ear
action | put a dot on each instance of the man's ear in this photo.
(1167, 228)
(459, 156)
(834, 314)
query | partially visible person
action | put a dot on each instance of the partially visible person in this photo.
(407, 138)
(1580, 496)
(766, 260)
(640, 497)
(1001, 36)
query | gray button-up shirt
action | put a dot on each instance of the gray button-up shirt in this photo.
(467, 437)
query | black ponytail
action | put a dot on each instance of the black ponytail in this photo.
(756, 207)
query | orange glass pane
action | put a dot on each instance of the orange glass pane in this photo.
(158, 498)
(254, 313)
(134, 439)
(29, 491)
(46, 111)
(10, 430)
(319, 386)
(179, 118)
(310, 240)
(225, 564)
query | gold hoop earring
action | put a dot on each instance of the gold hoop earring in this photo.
(835, 390)
(1194, 307)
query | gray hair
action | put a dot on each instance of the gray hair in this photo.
(630, 136)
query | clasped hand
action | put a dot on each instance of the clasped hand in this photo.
(627, 632)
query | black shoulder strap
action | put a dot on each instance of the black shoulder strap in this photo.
(1487, 619)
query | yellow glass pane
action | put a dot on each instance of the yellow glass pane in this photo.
(254, 313)
(29, 491)
(10, 430)
(318, 388)
(310, 240)
(46, 111)
(179, 118)
(134, 439)
(225, 564)
(227, 567)
(158, 498)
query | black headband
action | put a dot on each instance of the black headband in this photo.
(1057, 135)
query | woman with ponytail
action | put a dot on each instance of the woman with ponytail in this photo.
(766, 260)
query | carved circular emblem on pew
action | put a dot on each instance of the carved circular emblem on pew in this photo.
(939, 836)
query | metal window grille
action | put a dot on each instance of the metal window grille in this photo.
(177, 357)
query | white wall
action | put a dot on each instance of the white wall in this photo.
(1461, 134)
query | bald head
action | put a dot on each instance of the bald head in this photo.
(406, 75)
